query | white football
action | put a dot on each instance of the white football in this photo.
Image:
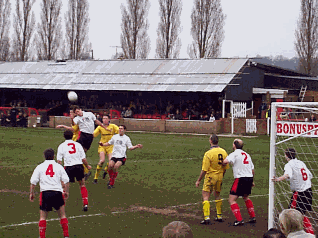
(72, 96)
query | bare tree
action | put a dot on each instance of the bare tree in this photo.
(49, 31)
(24, 22)
(77, 20)
(306, 42)
(5, 10)
(207, 22)
(134, 38)
(168, 42)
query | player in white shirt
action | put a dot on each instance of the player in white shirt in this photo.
(121, 142)
(86, 123)
(243, 171)
(300, 183)
(74, 157)
(52, 179)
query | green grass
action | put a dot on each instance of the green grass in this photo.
(162, 175)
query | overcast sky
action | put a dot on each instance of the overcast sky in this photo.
(251, 27)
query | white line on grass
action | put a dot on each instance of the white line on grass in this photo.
(102, 214)
(53, 219)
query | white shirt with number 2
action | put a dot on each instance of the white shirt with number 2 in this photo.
(49, 174)
(121, 143)
(72, 152)
(86, 123)
(299, 175)
(242, 163)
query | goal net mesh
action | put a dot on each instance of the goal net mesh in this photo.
(293, 128)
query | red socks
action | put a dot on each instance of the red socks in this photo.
(84, 195)
(112, 176)
(64, 224)
(42, 228)
(250, 208)
(236, 211)
(307, 226)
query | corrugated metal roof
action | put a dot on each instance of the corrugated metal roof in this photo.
(204, 75)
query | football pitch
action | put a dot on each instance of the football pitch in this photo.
(155, 187)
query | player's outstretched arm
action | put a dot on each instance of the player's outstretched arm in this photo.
(135, 147)
(65, 127)
(285, 176)
(32, 188)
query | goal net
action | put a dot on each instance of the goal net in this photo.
(292, 127)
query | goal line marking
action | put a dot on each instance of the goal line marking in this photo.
(103, 214)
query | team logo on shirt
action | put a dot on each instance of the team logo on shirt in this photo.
(119, 142)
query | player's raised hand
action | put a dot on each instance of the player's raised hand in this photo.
(140, 146)
(59, 126)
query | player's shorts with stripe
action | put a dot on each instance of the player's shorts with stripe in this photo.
(75, 171)
(85, 140)
(50, 199)
(242, 186)
(213, 183)
(302, 201)
(123, 160)
(106, 149)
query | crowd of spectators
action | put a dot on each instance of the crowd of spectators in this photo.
(14, 118)
(182, 110)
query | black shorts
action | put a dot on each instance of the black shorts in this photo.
(85, 140)
(50, 199)
(301, 201)
(123, 160)
(75, 171)
(242, 186)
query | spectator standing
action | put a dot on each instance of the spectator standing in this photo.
(312, 118)
(14, 112)
(212, 118)
(2, 119)
(128, 113)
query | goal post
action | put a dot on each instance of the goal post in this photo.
(292, 127)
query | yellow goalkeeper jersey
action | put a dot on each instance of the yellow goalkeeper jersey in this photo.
(75, 132)
(105, 134)
(212, 161)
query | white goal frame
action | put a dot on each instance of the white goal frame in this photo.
(273, 145)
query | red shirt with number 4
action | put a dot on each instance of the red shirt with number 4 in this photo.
(72, 152)
(242, 163)
(49, 174)
(299, 175)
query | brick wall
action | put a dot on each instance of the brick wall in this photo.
(222, 126)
